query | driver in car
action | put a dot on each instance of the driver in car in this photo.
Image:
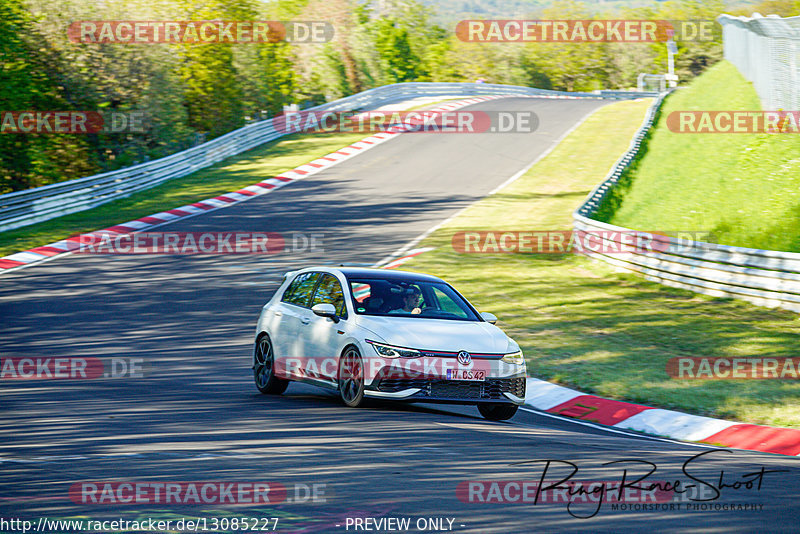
(410, 302)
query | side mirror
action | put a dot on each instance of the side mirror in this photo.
(489, 317)
(325, 310)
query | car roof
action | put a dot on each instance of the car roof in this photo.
(383, 274)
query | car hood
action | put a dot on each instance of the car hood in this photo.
(439, 334)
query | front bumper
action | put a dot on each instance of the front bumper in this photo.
(429, 378)
(492, 390)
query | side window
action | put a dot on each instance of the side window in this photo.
(329, 291)
(447, 304)
(300, 290)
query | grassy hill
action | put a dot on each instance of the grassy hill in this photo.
(744, 188)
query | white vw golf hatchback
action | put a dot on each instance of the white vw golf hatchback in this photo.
(386, 334)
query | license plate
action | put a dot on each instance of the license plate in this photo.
(466, 374)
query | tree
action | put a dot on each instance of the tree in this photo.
(398, 62)
(28, 83)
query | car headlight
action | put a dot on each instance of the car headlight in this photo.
(515, 358)
(390, 351)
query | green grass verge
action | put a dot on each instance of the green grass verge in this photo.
(229, 175)
(744, 188)
(585, 326)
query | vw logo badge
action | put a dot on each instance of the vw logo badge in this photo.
(464, 357)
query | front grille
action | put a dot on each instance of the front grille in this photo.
(515, 386)
(452, 389)
(492, 388)
(393, 385)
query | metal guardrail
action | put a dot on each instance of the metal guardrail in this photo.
(43, 203)
(764, 277)
(766, 50)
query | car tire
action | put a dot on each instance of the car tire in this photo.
(264, 368)
(351, 377)
(497, 412)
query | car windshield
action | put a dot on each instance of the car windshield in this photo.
(409, 298)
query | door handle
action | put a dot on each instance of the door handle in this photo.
(305, 320)
(278, 314)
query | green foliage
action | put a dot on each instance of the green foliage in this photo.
(783, 8)
(397, 60)
(29, 81)
(212, 96)
(195, 92)
(268, 79)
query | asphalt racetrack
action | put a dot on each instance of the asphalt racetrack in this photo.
(196, 416)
